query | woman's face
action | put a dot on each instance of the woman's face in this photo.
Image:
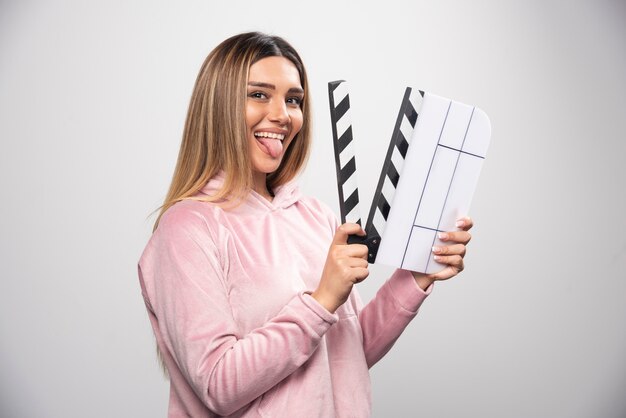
(273, 112)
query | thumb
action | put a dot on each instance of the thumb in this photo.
(342, 233)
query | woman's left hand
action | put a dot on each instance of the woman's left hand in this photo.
(451, 254)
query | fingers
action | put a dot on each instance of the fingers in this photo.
(455, 261)
(355, 262)
(451, 254)
(352, 250)
(466, 223)
(356, 250)
(341, 234)
(354, 269)
(453, 249)
(446, 273)
(361, 274)
(462, 237)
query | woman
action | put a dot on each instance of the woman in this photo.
(248, 284)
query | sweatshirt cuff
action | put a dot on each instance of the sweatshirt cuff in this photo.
(318, 309)
(406, 291)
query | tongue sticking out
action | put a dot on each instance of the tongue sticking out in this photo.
(273, 146)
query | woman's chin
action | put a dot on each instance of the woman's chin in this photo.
(267, 167)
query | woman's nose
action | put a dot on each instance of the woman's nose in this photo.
(278, 112)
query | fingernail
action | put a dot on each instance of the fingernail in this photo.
(437, 258)
(460, 223)
(442, 235)
(436, 249)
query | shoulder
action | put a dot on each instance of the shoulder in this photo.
(190, 222)
(188, 243)
(191, 215)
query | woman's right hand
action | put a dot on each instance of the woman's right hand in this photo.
(346, 264)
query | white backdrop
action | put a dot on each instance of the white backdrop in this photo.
(93, 96)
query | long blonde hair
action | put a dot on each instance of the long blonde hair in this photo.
(214, 137)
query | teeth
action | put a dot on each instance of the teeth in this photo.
(270, 135)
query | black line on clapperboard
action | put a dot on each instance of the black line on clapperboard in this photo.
(461, 151)
(425, 183)
(430, 229)
(451, 181)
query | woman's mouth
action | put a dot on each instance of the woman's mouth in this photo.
(271, 142)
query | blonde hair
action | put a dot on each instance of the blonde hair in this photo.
(214, 137)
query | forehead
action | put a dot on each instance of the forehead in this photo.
(275, 70)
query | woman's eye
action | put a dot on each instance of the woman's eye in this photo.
(258, 95)
(294, 101)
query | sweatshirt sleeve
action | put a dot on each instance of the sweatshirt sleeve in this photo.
(188, 295)
(386, 316)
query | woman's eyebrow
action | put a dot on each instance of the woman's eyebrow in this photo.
(261, 84)
(273, 87)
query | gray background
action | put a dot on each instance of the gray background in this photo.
(93, 97)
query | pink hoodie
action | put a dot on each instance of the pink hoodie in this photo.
(227, 293)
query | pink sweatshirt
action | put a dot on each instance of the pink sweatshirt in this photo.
(227, 293)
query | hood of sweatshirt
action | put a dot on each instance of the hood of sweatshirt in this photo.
(284, 196)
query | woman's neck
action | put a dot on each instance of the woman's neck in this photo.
(260, 185)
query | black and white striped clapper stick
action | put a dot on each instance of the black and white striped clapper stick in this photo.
(394, 161)
(345, 162)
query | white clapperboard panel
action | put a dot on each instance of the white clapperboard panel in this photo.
(427, 180)
(437, 181)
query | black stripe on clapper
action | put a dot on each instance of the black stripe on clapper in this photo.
(384, 207)
(345, 139)
(347, 171)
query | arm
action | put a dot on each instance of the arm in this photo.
(189, 297)
(386, 316)
(398, 300)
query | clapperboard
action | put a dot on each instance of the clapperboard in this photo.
(427, 180)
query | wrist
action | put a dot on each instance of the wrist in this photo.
(325, 302)
(423, 280)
